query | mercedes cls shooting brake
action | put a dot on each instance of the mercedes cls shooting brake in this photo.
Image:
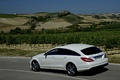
(71, 58)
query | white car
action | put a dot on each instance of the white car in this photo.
(72, 58)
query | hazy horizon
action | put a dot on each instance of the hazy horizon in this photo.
(74, 6)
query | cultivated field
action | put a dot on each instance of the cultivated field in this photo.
(8, 22)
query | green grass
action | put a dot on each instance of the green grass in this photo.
(114, 58)
(18, 52)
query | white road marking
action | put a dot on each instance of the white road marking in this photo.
(114, 64)
(23, 71)
(18, 57)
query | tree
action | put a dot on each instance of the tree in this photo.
(33, 26)
(63, 13)
(16, 30)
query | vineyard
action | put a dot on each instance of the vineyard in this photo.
(108, 39)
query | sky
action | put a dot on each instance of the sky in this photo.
(74, 6)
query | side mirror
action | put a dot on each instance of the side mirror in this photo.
(45, 56)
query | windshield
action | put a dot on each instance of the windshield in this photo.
(91, 50)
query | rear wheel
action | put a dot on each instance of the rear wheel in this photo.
(71, 69)
(35, 66)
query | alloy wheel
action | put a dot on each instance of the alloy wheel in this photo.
(71, 69)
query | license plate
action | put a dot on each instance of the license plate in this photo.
(98, 57)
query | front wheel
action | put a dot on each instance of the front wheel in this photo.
(35, 66)
(71, 69)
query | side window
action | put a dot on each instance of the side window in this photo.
(67, 52)
(52, 52)
(62, 52)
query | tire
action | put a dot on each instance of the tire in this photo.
(35, 66)
(71, 69)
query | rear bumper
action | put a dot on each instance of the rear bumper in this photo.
(93, 65)
(100, 66)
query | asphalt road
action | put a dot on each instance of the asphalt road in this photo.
(17, 68)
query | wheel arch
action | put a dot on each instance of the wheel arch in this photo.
(34, 59)
(70, 63)
(72, 71)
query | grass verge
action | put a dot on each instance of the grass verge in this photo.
(29, 53)
(114, 58)
(18, 52)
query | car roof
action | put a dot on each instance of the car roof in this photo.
(75, 47)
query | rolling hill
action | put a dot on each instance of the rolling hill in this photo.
(53, 20)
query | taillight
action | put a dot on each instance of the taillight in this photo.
(87, 59)
(105, 56)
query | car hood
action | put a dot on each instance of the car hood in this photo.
(41, 54)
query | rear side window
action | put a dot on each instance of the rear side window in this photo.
(67, 52)
(91, 50)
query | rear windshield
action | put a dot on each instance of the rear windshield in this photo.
(91, 50)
